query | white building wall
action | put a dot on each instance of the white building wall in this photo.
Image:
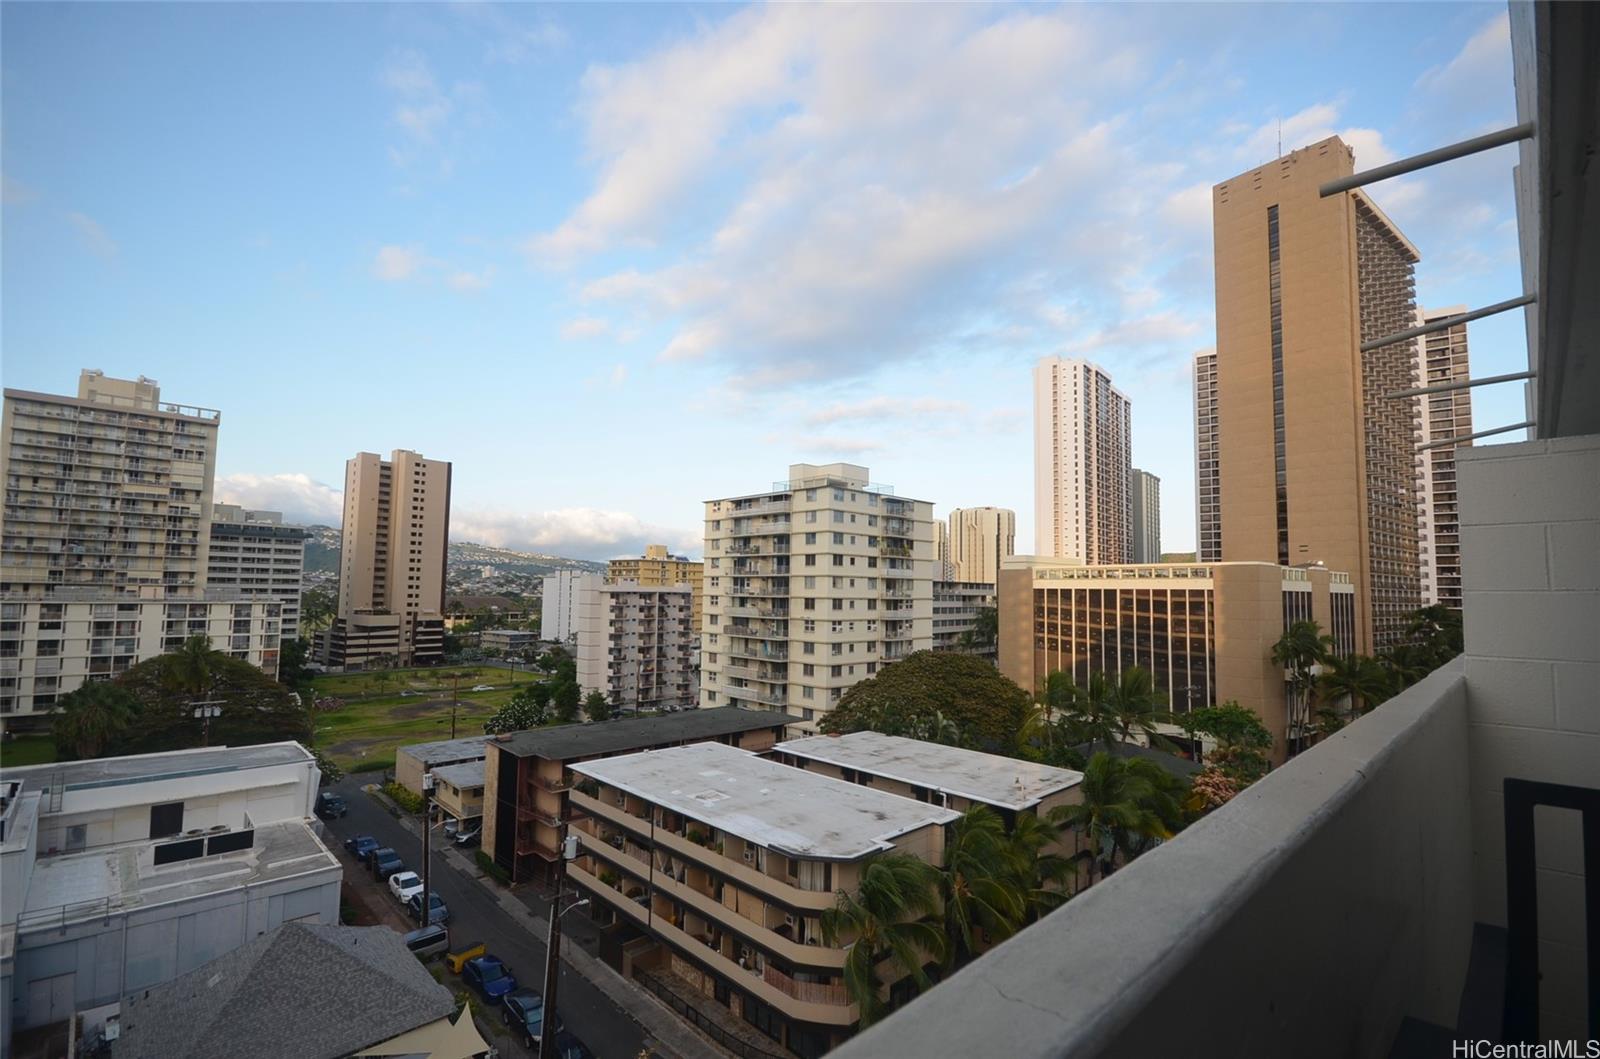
(256, 555)
(1082, 453)
(562, 591)
(1530, 535)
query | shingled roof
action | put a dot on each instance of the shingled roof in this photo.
(306, 991)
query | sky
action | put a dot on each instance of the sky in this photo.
(613, 261)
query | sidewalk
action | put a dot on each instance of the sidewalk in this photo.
(670, 1037)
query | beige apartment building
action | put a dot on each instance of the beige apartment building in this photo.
(392, 564)
(106, 538)
(812, 586)
(637, 645)
(254, 554)
(658, 567)
(980, 538)
(1082, 453)
(1204, 630)
(1440, 357)
(1207, 486)
(1145, 491)
(729, 877)
(1316, 462)
(944, 567)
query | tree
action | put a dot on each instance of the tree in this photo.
(317, 608)
(1086, 712)
(254, 708)
(1437, 630)
(984, 705)
(1301, 650)
(1040, 878)
(193, 666)
(93, 717)
(331, 772)
(566, 695)
(890, 917)
(1357, 680)
(985, 631)
(528, 708)
(595, 706)
(1125, 802)
(1242, 740)
(980, 897)
(1135, 705)
(292, 655)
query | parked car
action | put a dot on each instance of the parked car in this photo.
(470, 836)
(438, 911)
(490, 977)
(384, 863)
(403, 884)
(361, 845)
(427, 942)
(523, 1011)
(483, 687)
(452, 827)
(568, 1046)
(330, 806)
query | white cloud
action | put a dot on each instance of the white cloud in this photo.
(301, 498)
(94, 238)
(880, 408)
(1484, 60)
(468, 282)
(394, 264)
(612, 377)
(583, 533)
(585, 327)
(1189, 207)
(825, 444)
(1163, 331)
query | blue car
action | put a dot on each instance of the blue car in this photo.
(490, 977)
(523, 1011)
(568, 1046)
(361, 845)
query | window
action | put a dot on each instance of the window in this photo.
(166, 820)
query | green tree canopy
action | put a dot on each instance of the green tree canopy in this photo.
(567, 697)
(906, 697)
(891, 918)
(92, 719)
(1243, 741)
(595, 706)
(255, 708)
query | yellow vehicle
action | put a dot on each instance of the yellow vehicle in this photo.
(458, 960)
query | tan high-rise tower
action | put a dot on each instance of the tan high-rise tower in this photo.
(392, 562)
(1440, 357)
(979, 538)
(1315, 463)
(1207, 490)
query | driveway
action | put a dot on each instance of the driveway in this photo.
(476, 916)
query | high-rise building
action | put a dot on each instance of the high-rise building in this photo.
(1146, 492)
(1440, 357)
(1207, 487)
(979, 538)
(392, 561)
(812, 586)
(658, 567)
(1316, 462)
(256, 555)
(103, 557)
(1082, 452)
(944, 566)
(637, 645)
(560, 597)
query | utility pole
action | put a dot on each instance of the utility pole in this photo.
(455, 699)
(204, 710)
(552, 956)
(426, 918)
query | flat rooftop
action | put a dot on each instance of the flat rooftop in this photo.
(638, 733)
(111, 880)
(466, 774)
(146, 768)
(757, 799)
(988, 778)
(447, 749)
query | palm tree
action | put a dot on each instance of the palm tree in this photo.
(936, 728)
(1134, 703)
(193, 666)
(1040, 877)
(1437, 630)
(93, 717)
(1356, 679)
(1407, 663)
(1119, 803)
(1300, 651)
(892, 915)
(1085, 712)
(979, 894)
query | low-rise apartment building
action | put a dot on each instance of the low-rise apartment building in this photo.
(509, 641)
(414, 759)
(123, 873)
(528, 775)
(1204, 630)
(727, 860)
(458, 792)
(637, 645)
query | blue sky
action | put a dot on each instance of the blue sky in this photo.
(615, 260)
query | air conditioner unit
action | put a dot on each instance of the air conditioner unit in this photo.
(749, 855)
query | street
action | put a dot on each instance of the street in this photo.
(475, 916)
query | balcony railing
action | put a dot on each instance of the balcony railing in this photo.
(1311, 915)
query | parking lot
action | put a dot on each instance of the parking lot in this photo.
(475, 915)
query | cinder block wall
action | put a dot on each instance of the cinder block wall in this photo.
(1530, 547)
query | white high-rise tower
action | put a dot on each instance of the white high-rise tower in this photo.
(1082, 459)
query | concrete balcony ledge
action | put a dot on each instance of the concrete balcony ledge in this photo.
(1308, 917)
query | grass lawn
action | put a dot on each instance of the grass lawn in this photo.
(370, 730)
(27, 750)
(430, 679)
